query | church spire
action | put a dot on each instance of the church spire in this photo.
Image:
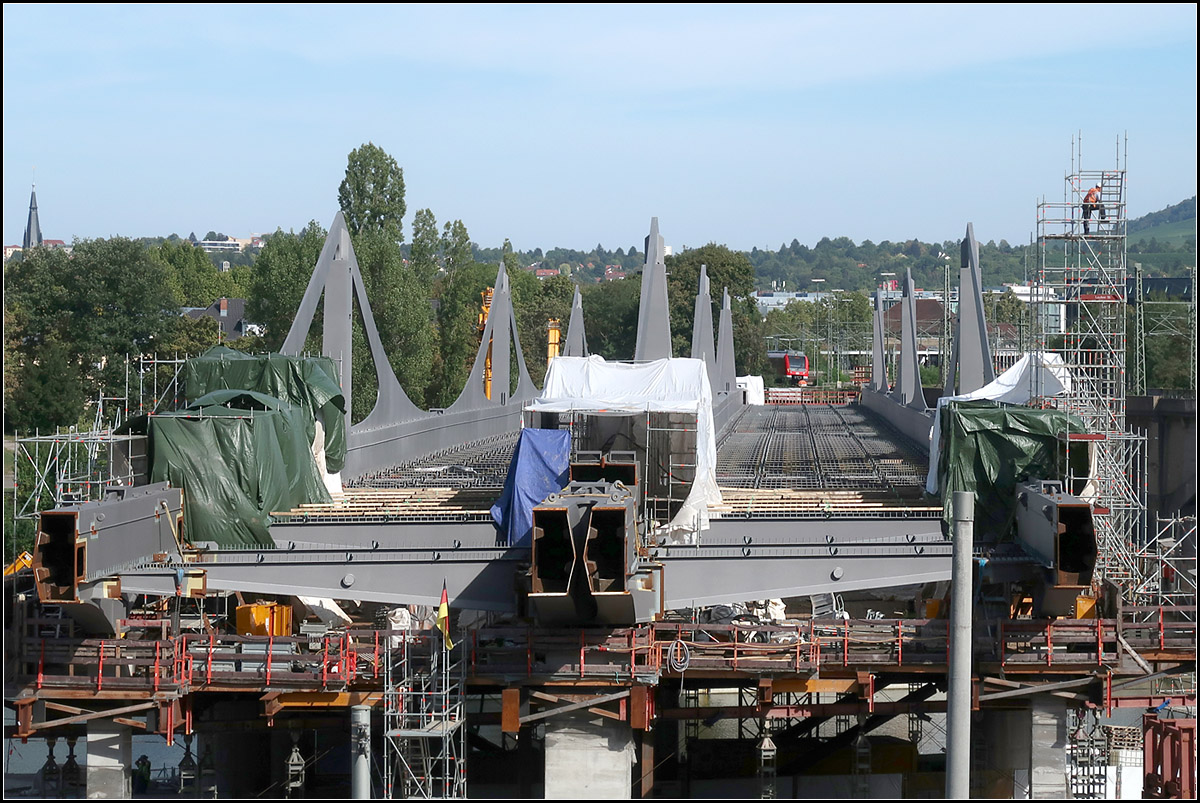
(33, 231)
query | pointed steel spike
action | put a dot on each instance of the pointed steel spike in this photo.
(654, 313)
(878, 358)
(575, 344)
(703, 343)
(909, 380)
(726, 366)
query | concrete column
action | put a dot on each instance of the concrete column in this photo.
(360, 752)
(588, 758)
(109, 759)
(958, 696)
(1048, 732)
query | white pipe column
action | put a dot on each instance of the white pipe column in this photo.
(360, 752)
(958, 696)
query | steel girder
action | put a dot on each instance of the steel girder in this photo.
(735, 561)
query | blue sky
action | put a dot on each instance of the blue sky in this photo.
(572, 126)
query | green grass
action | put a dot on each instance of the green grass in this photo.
(1174, 233)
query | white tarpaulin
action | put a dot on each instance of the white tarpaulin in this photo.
(591, 385)
(1036, 375)
(755, 391)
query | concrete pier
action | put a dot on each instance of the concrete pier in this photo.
(588, 758)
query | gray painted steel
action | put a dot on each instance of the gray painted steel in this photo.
(958, 695)
(575, 344)
(709, 576)
(971, 364)
(396, 429)
(654, 315)
(912, 423)
(130, 524)
(909, 369)
(727, 399)
(879, 380)
(703, 342)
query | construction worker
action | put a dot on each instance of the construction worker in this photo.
(1091, 203)
(141, 776)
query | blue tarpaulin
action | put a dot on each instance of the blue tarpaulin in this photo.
(540, 466)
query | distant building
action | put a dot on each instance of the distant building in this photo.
(613, 273)
(218, 246)
(230, 315)
(545, 273)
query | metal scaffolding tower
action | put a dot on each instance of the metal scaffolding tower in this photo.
(73, 465)
(423, 715)
(1083, 275)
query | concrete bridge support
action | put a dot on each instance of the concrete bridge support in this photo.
(588, 758)
(109, 760)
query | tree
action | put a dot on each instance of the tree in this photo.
(399, 300)
(458, 296)
(50, 393)
(105, 300)
(194, 279)
(426, 246)
(281, 275)
(456, 246)
(726, 269)
(372, 193)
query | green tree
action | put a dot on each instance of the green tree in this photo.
(50, 393)
(399, 300)
(108, 298)
(195, 281)
(280, 278)
(372, 193)
(456, 246)
(459, 303)
(726, 269)
(426, 247)
(610, 312)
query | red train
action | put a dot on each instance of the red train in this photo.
(792, 364)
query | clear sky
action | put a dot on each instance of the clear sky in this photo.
(572, 126)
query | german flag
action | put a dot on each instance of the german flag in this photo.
(443, 618)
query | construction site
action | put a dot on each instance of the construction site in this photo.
(646, 579)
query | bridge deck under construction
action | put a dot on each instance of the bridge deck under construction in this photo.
(773, 461)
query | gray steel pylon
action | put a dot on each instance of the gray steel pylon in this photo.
(654, 314)
(878, 362)
(972, 361)
(703, 343)
(338, 278)
(909, 370)
(726, 368)
(575, 344)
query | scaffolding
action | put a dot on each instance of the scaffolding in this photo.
(74, 465)
(1082, 278)
(1168, 566)
(423, 716)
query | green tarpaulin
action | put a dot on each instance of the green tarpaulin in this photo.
(988, 448)
(309, 383)
(243, 448)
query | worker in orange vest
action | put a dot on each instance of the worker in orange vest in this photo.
(1091, 203)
